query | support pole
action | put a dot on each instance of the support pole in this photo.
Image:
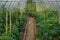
(10, 23)
(6, 22)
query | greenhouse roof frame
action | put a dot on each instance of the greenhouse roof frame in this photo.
(51, 3)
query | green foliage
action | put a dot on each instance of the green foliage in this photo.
(47, 23)
(48, 26)
(17, 24)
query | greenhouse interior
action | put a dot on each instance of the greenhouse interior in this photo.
(29, 19)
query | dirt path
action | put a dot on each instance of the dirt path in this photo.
(29, 33)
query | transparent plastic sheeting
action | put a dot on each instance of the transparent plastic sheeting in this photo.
(22, 3)
(12, 3)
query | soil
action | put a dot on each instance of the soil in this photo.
(30, 29)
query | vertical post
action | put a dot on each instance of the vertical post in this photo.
(0, 13)
(21, 12)
(6, 22)
(10, 21)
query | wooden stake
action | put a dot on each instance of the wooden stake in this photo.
(21, 11)
(10, 22)
(6, 22)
